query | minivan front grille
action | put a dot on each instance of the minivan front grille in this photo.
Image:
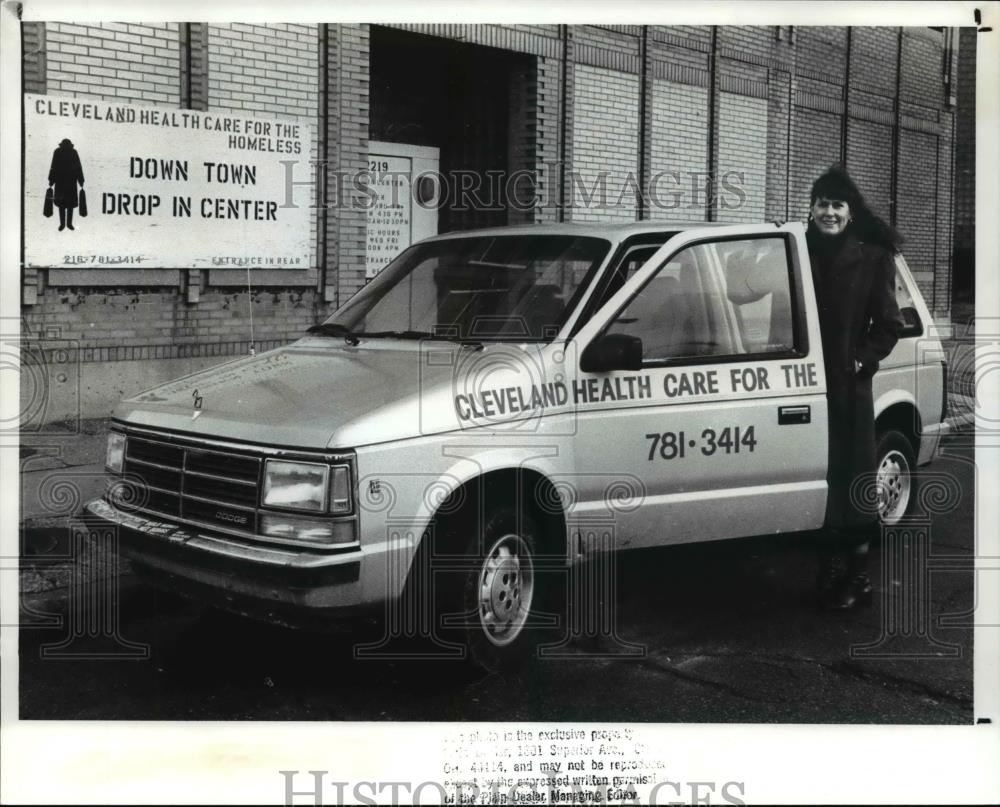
(217, 488)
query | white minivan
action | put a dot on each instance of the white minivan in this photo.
(498, 405)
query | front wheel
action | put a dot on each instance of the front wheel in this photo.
(895, 462)
(504, 589)
(500, 592)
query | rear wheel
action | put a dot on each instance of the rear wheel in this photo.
(895, 463)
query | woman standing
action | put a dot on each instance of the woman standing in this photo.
(851, 251)
(64, 174)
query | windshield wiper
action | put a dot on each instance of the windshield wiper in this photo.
(335, 329)
(353, 337)
(398, 335)
(474, 343)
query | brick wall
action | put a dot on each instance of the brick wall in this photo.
(742, 151)
(619, 39)
(965, 166)
(605, 143)
(155, 322)
(869, 158)
(757, 42)
(123, 62)
(944, 227)
(115, 342)
(921, 51)
(697, 34)
(873, 62)
(917, 205)
(263, 70)
(821, 49)
(548, 130)
(679, 156)
(347, 234)
(33, 50)
(965, 145)
(779, 118)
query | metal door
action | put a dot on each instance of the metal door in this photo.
(723, 431)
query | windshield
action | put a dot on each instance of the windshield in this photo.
(504, 288)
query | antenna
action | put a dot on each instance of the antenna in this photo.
(253, 350)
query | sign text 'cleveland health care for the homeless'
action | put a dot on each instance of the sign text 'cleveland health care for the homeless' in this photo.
(164, 187)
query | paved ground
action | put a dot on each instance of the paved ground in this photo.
(728, 632)
(62, 468)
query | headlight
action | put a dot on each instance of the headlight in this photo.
(296, 485)
(115, 458)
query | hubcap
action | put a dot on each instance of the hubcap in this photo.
(506, 586)
(893, 487)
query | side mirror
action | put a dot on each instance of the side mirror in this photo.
(612, 351)
(912, 326)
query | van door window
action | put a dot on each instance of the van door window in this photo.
(757, 277)
(617, 277)
(726, 298)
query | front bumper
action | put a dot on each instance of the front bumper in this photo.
(287, 586)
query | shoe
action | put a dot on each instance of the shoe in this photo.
(828, 578)
(71, 226)
(62, 227)
(851, 593)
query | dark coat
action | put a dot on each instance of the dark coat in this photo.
(859, 320)
(65, 172)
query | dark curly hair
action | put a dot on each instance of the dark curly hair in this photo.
(836, 183)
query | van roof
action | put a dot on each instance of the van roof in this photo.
(610, 231)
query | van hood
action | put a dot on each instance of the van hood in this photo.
(317, 392)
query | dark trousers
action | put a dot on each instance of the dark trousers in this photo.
(848, 548)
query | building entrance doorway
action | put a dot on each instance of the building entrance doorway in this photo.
(460, 99)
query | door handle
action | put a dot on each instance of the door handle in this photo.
(788, 415)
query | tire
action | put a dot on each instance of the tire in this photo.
(895, 463)
(489, 602)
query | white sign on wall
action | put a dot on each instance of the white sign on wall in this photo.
(390, 216)
(397, 218)
(165, 188)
